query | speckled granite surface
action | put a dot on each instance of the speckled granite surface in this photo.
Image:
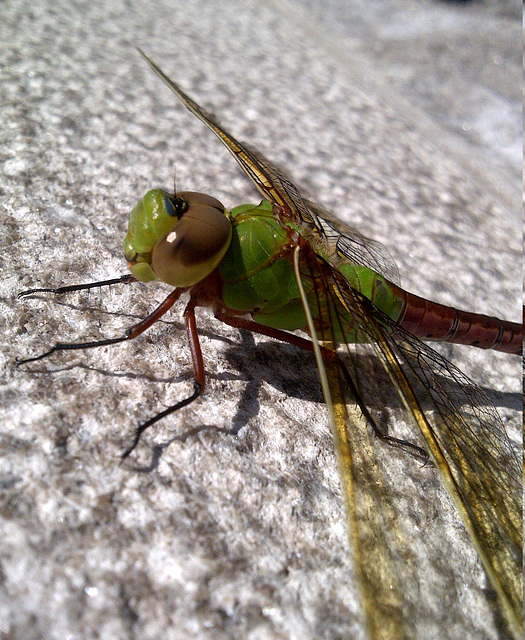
(407, 125)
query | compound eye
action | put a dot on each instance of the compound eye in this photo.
(196, 245)
(194, 198)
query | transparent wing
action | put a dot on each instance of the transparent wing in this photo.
(377, 542)
(355, 247)
(464, 437)
(339, 240)
(463, 433)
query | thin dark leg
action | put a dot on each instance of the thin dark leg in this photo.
(130, 334)
(198, 372)
(291, 338)
(126, 279)
(395, 442)
(174, 407)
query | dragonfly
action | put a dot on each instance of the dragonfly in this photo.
(286, 264)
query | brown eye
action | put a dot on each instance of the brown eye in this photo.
(196, 245)
(193, 198)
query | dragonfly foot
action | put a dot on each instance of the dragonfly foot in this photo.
(197, 390)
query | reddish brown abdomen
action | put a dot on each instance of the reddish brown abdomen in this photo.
(433, 321)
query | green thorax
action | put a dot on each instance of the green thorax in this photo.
(258, 276)
(257, 273)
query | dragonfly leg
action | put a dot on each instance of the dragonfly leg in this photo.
(125, 279)
(278, 334)
(291, 338)
(398, 443)
(198, 371)
(195, 345)
(130, 334)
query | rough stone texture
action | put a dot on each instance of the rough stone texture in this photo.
(406, 124)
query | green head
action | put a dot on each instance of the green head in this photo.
(179, 239)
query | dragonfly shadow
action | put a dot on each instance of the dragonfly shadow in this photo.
(293, 371)
(288, 369)
(157, 450)
(285, 367)
(128, 375)
(85, 308)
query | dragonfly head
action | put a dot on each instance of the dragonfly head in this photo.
(179, 239)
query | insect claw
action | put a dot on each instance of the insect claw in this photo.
(132, 446)
(197, 390)
(20, 361)
(29, 292)
(126, 453)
